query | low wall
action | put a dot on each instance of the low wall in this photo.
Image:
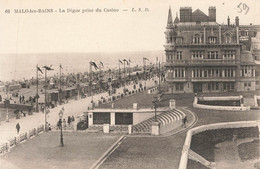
(228, 108)
(190, 133)
(16, 106)
(220, 98)
(255, 99)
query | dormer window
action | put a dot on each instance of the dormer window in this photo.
(228, 38)
(197, 39)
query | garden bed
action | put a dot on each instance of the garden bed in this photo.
(204, 143)
(249, 150)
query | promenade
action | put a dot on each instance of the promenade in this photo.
(73, 107)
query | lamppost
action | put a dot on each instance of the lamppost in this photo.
(60, 122)
(155, 101)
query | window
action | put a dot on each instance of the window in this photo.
(247, 84)
(212, 40)
(197, 55)
(197, 39)
(179, 86)
(179, 55)
(228, 38)
(229, 54)
(212, 55)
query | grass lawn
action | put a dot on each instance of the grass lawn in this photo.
(249, 151)
(146, 153)
(80, 151)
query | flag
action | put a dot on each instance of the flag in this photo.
(126, 61)
(157, 59)
(101, 64)
(94, 64)
(48, 68)
(61, 66)
(120, 61)
(39, 69)
(145, 59)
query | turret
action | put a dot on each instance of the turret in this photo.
(169, 22)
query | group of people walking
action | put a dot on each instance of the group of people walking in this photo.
(65, 123)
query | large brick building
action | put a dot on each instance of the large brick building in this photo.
(204, 56)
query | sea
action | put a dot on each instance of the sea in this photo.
(22, 67)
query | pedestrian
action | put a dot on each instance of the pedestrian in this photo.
(69, 120)
(0, 98)
(18, 128)
(64, 122)
(184, 121)
(72, 118)
(59, 124)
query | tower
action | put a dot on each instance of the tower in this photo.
(212, 14)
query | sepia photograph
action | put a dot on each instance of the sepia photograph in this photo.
(129, 84)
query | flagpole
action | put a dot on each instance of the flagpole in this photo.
(45, 98)
(124, 77)
(37, 95)
(144, 73)
(90, 70)
(60, 98)
(129, 70)
(159, 78)
(119, 75)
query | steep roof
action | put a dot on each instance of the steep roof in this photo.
(198, 15)
(169, 22)
(176, 20)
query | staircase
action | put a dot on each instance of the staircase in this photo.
(164, 118)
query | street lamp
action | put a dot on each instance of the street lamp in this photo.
(60, 122)
(155, 101)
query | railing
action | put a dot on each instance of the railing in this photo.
(23, 137)
(40, 128)
(12, 142)
(200, 61)
(32, 133)
(213, 61)
(215, 78)
(4, 148)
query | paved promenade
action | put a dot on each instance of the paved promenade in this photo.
(74, 107)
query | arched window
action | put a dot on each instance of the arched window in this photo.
(228, 38)
(197, 39)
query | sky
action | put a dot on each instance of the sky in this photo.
(102, 31)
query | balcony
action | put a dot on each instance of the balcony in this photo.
(176, 79)
(199, 62)
(213, 79)
(176, 62)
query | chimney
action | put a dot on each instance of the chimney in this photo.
(237, 21)
(185, 14)
(228, 21)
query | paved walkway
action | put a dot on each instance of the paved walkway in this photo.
(74, 107)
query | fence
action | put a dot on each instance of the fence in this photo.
(5, 148)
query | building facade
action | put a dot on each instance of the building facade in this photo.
(204, 56)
